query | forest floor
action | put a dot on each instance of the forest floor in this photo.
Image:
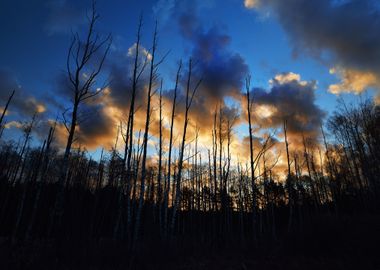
(350, 242)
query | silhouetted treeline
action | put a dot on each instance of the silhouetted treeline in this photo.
(215, 199)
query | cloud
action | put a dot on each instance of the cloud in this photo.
(221, 70)
(13, 124)
(99, 117)
(347, 30)
(97, 127)
(23, 103)
(355, 81)
(251, 3)
(291, 99)
(120, 67)
(288, 98)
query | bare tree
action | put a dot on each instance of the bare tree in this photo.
(189, 99)
(5, 111)
(289, 180)
(83, 68)
(127, 175)
(138, 70)
(44, 169)
(28, 128)
(253, 184)
(167, 191)
(152, 78)
(159, 176)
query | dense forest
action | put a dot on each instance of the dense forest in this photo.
(61, 208)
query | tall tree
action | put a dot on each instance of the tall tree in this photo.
(289, 181)
(138, 70)
(159, 176)
(152, 78)
(83, 68)
(166, 203)
(253, 184)
(190, 92)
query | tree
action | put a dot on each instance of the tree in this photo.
(5, 111)
(189, 99)
(289, 180)
(152, 77)
(249, 111)
(167, 191)
(83, 68)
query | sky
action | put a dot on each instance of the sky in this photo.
(302, 57)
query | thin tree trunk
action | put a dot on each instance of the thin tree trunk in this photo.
(289, 179)
(145, 140)
(5, 111)
(253, 184)
(189, 99)
(167, 192)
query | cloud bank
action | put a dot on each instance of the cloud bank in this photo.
(346, 31)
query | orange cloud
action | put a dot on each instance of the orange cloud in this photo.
(353, 81)
(250, 4)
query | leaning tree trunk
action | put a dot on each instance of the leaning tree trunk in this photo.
(5, 111)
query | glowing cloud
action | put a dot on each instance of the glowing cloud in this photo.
(251, 3)
(355, 81)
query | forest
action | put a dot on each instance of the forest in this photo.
(181, 204)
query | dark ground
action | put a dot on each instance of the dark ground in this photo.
(350, 242)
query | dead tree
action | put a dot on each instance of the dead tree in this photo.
(44, 169)
(138, 70)
(152, 77)
(167, 191)
(214, 153)
(27, 129)
(5, 111)
(253, 184)
(289, 181)
(311, 182)
(189, 99)
(159, 176)
(82, 74)
(330, 171)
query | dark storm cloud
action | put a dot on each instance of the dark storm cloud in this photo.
(221, 70)
(351, 29)
(120, 78)
(222, 73)
(348, 30)
(97, 127)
